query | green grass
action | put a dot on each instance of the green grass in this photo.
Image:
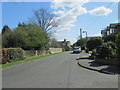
(26, 60)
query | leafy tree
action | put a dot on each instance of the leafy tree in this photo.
(82, 42)
(93, 43)
(37, 38)
(118, 44)
(7, 39)
(5, 29)
(111, 38)
(31, 36)
(22, 24)
(20, 37)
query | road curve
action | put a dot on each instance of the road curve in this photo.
(58, 71)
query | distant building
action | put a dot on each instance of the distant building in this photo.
(65, 44)
(111, 29)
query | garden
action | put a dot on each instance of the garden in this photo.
(106, 50)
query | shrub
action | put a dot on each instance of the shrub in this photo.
(93, 43)
(118, 45)
(106, 51)
(4, 56)
(111, 38)
(12, 54)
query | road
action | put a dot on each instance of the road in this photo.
(59, 71)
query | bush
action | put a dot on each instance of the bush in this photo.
(4, 56)
(106, 51)
(111, 38)
(12, 54)
(93, 43)
(118, 45)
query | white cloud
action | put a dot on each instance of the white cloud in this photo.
(100, 11)
(58, 12)
(62, 29)
(68, 17)
(67, 3)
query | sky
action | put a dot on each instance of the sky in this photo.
(89, 16)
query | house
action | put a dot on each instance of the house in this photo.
(111, 29)
(65, 44)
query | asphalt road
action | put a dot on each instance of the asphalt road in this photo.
(59, 71)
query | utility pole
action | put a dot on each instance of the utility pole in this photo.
(86, 33)
(80, 33)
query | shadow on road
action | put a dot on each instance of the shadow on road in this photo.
(83, 58)
(74, 53)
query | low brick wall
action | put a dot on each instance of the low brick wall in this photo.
(30, 53)
(55, 50)
(115, 62)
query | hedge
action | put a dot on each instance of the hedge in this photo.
(12, 54)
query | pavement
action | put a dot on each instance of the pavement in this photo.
(85, 62)
(58, 71)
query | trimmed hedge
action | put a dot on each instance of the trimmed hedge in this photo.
(12, 54)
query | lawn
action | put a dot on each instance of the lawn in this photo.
(26, 60)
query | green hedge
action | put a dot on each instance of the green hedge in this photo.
(12, 54)
(106, 50)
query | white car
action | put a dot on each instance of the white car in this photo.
(77, 50)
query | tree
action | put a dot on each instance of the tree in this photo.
(82, 42)
(7, 39)
(20, 37)
(21, 24)
(54, 43)
(118, 44)
(45, 19)
(93, 43)
(37, 39)
(111, 38)
(5, 29)
(31, 36)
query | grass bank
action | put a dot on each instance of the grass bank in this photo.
(26, 60)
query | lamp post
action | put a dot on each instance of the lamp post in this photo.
(85, 32)
(80, 33)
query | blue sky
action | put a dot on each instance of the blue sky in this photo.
(90, 16)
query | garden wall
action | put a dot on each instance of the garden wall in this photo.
(15, 54)
(30, 53)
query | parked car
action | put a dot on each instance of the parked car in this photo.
(77, 50)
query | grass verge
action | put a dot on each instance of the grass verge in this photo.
(26, 60)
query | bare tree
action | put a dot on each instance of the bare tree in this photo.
(45, 19)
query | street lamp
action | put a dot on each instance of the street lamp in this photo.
(81, 33)
(85, 32)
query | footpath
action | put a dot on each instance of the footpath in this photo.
(85, 62)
